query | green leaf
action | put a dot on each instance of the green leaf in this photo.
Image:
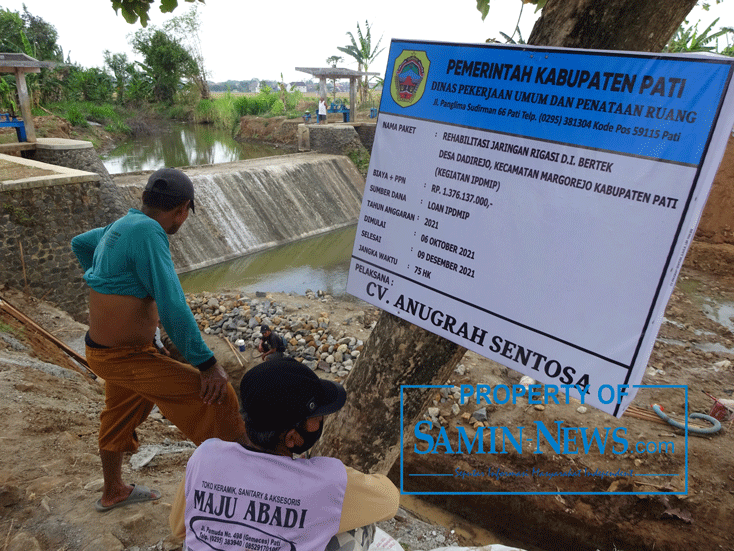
(168, 6)
(483, 7)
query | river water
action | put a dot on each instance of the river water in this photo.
(318, 263)
(183, 145)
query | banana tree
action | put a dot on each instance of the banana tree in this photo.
(363, 52)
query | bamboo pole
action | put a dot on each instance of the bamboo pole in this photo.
(20, 316)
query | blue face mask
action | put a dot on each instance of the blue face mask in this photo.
(309, 438)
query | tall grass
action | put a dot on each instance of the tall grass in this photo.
(225, 110)
(81, 113)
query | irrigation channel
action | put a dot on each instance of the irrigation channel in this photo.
(181, 144)
(319, 263)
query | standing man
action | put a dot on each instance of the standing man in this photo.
(322, 110)
(132, 281)
(255, 492)
(271, 345)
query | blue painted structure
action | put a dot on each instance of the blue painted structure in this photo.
(8, 120)
(339, 108)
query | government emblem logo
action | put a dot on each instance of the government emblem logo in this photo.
(409, 77)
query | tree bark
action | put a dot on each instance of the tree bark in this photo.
(632, 25)
(365, 434)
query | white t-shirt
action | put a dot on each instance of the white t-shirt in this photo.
(322, 108)
(238, 499)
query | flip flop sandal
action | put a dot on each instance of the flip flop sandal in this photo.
(140, 494)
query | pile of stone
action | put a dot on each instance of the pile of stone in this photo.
(309, 339)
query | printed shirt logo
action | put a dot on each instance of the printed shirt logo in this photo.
(409, 77)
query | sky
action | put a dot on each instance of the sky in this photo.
(242, 40)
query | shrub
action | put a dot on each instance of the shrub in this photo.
(361, 159)
(118, 127)
(241, 105)
(278, 108)
(75, 116)
(260, 104)
(89, 85)
(101, 113)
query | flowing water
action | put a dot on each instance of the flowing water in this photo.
(255, 205)
(183, 144)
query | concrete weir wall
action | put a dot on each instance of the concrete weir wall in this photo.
(241, 208)
(253, 205)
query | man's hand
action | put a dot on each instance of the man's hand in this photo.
(214, 384)
(164, 350)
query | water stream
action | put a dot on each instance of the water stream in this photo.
(183, 144)
(246, 209)
(318, 263)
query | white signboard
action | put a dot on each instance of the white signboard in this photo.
(535, 205)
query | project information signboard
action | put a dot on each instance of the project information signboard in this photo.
(535, 205)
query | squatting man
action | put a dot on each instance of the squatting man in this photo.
(253, 493)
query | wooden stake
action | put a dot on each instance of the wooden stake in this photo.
(235, 352)
(22, 262)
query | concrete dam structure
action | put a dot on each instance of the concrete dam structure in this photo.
(249, 206)
(241, 208)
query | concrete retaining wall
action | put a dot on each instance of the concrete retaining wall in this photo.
(366, 133)
(81, 155)
(37, 223)
(337, 138)
(241, 208)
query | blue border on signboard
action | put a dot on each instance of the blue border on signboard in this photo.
(402, 451)
(518, 78)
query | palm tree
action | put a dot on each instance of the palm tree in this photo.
(364, 53)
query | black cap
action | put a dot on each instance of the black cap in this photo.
(264, 328)
(172, 183)
(279, 394)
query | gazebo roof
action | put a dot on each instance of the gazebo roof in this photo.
(12, 62)
(334, 72)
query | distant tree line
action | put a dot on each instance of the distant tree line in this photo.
(255, 85)
(171, 63)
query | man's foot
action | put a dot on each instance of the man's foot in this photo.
(140, 494)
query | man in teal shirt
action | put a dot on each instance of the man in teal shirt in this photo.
(133, 286)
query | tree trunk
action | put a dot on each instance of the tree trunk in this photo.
(366, 432)
(632, 25)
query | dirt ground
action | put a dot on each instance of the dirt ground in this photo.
(50, 473)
